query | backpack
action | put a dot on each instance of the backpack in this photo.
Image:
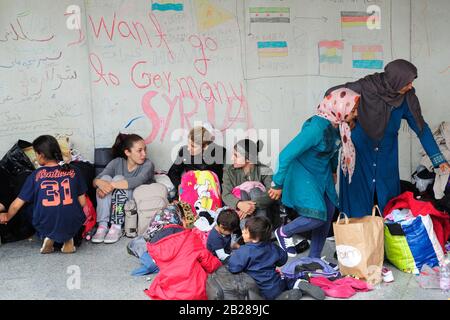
(294, 269)
(224, 285)
(91, 219)
(148, 199)
(165, 180)
(201, 189)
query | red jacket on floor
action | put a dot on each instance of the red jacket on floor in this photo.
(441, 220)
(184, 264)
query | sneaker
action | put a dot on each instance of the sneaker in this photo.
(302, 246)
(47, 246)
(100, 235)
(293, 294)
(387, 274)
(114, 234)
(309, 289)
(68, 247)
(286, 243)
(332, 265)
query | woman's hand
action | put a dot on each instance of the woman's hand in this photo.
(100, 193)
(247, 207)
(275, 194)
(445, 167)
(241, 214)
(105, 187)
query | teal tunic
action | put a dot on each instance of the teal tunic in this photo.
(305, 168)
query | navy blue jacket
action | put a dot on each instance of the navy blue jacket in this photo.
(259, 261)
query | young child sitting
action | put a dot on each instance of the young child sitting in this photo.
(182, 259)
(57, 193)
(219, 238)
(259, 257)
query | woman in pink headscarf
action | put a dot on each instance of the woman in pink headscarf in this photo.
(305, 170)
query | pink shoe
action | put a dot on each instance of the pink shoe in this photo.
(100, 235)
(387, 275)
(114, 234)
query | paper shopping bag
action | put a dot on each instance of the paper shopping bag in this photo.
(360, 246)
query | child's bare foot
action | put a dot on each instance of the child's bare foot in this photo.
(47, 246)
(68, 247)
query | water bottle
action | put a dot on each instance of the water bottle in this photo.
(444, 274)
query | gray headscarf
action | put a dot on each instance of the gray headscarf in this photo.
(379, 93)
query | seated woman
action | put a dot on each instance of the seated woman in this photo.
(201, 153)
(129, 169)
(246, 181)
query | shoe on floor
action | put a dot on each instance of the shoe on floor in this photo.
(114, 234)
(302, 246)
(68, 247)
(100, 234)
(286, 243)
(293, 294)
(310, 289)
(387, 274)
(47, 246)
(334, 266)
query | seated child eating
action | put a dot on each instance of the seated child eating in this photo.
(219, 238)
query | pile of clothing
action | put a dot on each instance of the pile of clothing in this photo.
(441, 185)
(415, 233)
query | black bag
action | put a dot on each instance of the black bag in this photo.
(6, 192)
(20, 227)
(224, 285)
(16, 161)
(87, 171)
(102, 157)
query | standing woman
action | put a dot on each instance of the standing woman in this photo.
(129, 169)
(386, 99)
(306, 166)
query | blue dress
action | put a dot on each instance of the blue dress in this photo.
(377, 167)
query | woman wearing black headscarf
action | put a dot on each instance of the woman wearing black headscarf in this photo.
(386, 99)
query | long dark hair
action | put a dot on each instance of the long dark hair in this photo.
(259, 228)
(249, 149)
(48, 146)
(124, 142)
